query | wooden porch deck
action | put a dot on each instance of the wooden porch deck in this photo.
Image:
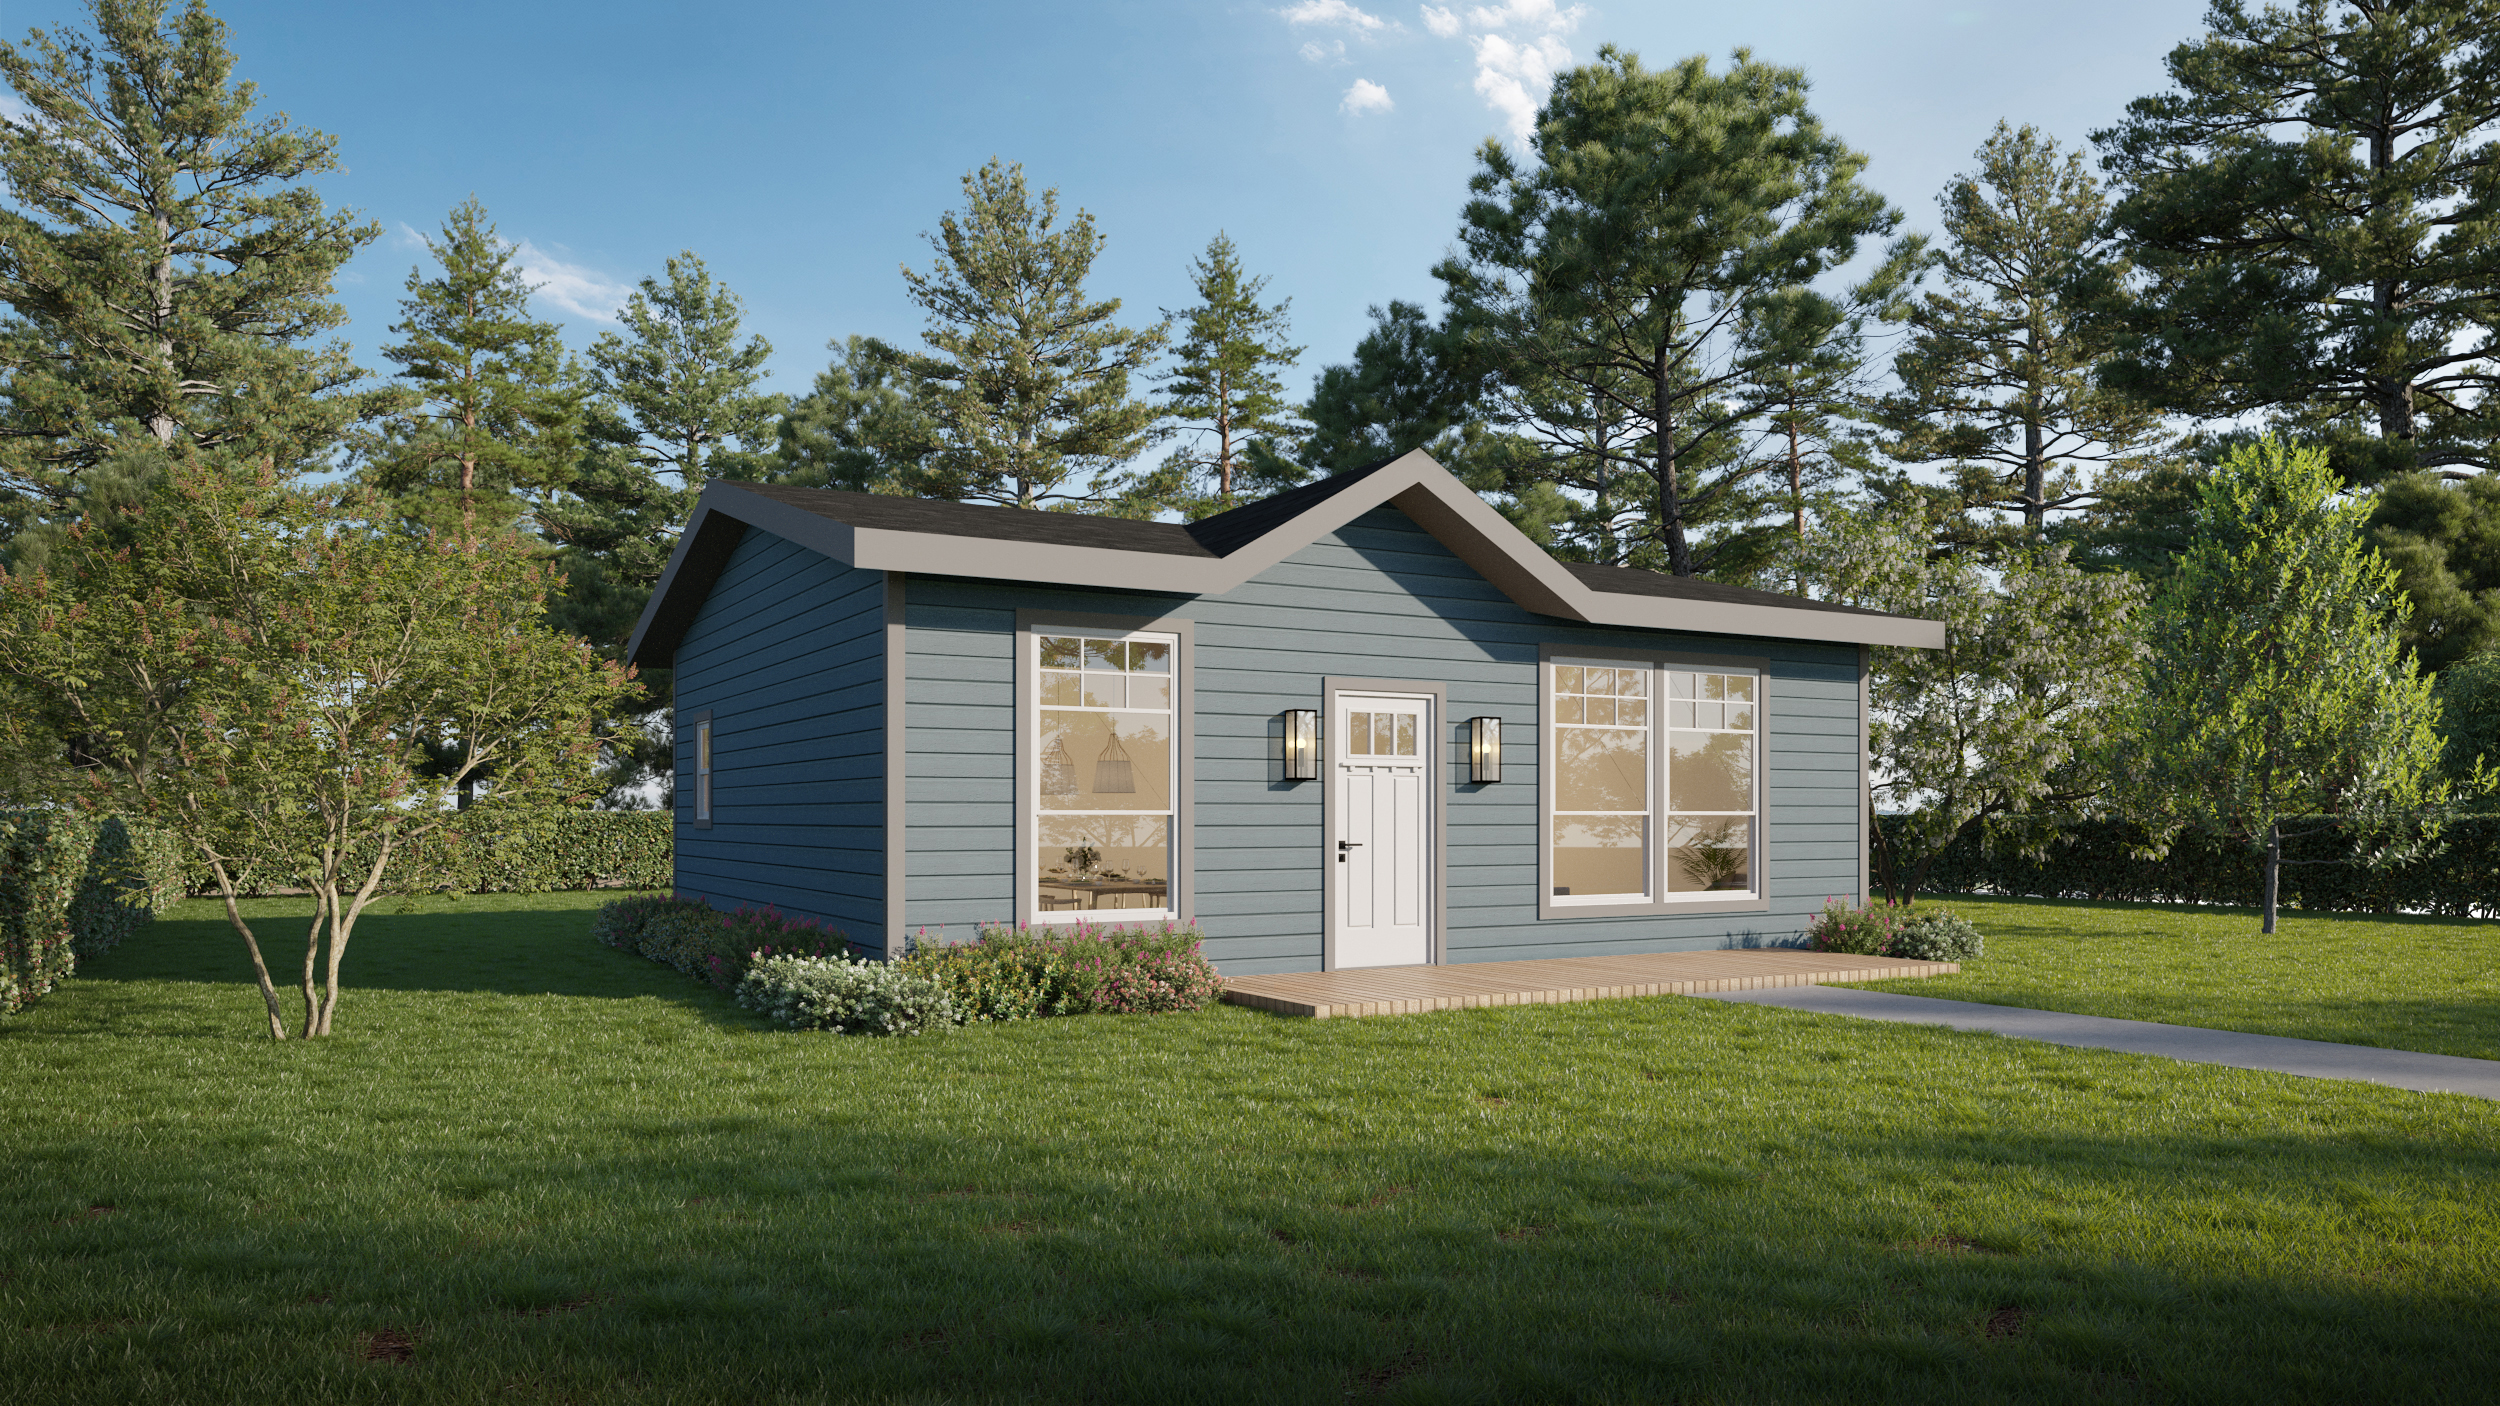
(1459, 986)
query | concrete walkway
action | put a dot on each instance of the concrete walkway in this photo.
(2311, 1059)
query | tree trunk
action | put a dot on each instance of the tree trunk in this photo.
(343, 925)
(312, 959)
(2035, 469)
(1224, 441)
(1670, 493)
(2274, 869)
(251, 944)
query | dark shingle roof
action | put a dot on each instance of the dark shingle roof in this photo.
(1633, 581)
(1218, 536)
(884, 512)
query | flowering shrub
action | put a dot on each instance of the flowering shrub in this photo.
(702, 941)
(1929, 934)
(1028, 970)
(1935, 934)
(1862, 932)
(845, 996)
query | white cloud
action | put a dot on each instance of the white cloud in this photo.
(1518, 47)
(1366, 96)
(1333, 12)
(14, 110)
(1317, 52)
(1513, 78)
(1528, 14)
(580, 291)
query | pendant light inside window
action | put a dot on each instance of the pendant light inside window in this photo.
(1113, 776)
(1058, 770)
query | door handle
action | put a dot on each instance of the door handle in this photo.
(1344, 845)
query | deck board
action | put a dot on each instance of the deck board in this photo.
(1461, 986)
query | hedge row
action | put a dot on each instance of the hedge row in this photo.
(2459, 876)
(515, 852)
(73, 886)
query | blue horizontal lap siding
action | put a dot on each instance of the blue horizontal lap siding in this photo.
(787, 653)
(1378, 599)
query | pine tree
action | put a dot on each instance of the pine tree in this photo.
(498, 417)
(1224, 387)
(835, 436)
(1025, 383)
(1661, 208)
(1405, 389)
(2275, 685)
(164, 266)
(1997, 378)
(1810, 377)
(684, 385)
(2312, 211)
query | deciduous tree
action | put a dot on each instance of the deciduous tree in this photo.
(2010, 722)
(2274, 683)
(242, 663)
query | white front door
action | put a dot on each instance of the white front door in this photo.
(1383, 754)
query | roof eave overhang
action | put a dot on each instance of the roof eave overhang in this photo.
(1414, 484)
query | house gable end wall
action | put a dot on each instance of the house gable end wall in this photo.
(786, 653)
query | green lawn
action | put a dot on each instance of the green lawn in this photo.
(2430, 984)
(533, 1170)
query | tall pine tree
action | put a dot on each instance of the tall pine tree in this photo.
(1662, 206)
(1996, 381)
(1223, 390)
(496, 426)
(2315, 218)
(1024, 385)
(165, 267)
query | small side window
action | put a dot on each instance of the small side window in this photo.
(703, 770)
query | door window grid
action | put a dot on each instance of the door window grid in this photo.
(1104, 796)
(1615, 837)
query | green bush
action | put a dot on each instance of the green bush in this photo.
(71, 886)
(505, 851)
(1933, 934)
(845, 997)
(2458, 876)
(702, 941)
(1015, 973)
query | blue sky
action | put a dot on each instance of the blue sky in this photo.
(802, 149)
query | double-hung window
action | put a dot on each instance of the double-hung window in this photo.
(1104, 768)
(1653, 792)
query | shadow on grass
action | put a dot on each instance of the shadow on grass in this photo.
(761, 1256)
(501, 951)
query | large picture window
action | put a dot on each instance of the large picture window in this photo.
(1653, 791)
(1104, 761)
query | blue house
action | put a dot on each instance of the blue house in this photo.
(1362, 723)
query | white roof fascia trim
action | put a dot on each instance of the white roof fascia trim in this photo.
(1730, 618)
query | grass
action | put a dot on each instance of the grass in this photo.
(530, 1169)
(2401, 983)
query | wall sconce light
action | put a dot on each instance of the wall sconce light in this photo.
(1301, 744)
(1484, 749)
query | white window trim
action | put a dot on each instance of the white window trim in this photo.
(1031, 625)
(1656, 902)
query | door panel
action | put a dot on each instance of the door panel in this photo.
(1382, 772)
